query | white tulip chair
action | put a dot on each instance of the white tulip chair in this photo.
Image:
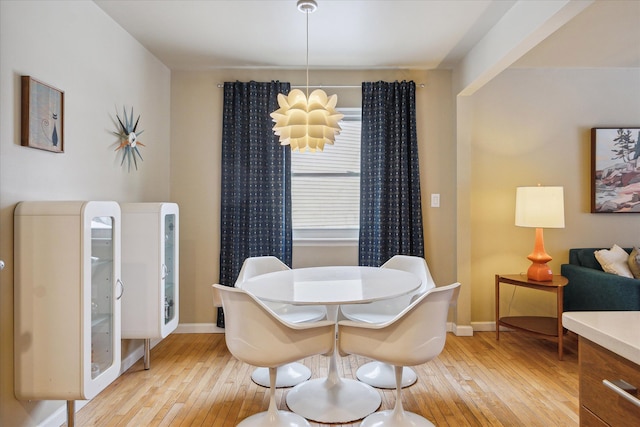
(256, 335)
(378, 374)
(292, 373)
(415, 336)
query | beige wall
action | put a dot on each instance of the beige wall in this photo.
(531, 126)
(196, 111)
(75, 47)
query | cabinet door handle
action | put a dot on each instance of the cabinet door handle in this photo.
(165, 271)
(121, 288)
(620, 392)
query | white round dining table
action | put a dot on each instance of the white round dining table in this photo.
(333, 399)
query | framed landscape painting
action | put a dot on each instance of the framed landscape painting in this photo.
(615, 170)
(42, 116)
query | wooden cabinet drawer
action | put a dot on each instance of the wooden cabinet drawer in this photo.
(598, 364)
(588, 419)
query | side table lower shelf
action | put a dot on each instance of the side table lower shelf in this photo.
(543, 325)
(536, 324)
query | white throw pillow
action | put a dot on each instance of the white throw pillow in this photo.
(614, 260)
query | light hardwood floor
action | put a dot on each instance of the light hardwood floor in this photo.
(476, 381)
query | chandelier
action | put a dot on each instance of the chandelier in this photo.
(303, 121)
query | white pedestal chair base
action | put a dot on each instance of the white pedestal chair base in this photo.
(382, 375)
(350, 400)
(288, 375)
(280, 419)
(392, 418)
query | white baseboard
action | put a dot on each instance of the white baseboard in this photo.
(211, 328)
(487, 327)
(483, 326)
(460, 330)
(59, 417)
(132, 358)
(198, 328)
(468, 330)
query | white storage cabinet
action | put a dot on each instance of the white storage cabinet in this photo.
(150, 236)
(67, 299)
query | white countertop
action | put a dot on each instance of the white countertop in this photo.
(617, 331)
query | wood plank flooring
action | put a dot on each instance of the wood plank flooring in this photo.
(476, 381)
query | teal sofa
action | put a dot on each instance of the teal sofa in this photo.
(592, 289)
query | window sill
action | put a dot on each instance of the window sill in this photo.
(325, 241)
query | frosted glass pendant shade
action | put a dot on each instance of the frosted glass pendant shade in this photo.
(307, 124)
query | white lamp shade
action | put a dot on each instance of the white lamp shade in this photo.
(307, 124)
(540, 207)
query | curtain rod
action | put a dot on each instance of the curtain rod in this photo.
(418, 85)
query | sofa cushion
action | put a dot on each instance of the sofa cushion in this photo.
(634, 262)
(584, 257)
(615, 261)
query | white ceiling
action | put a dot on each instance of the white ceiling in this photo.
(359, 34)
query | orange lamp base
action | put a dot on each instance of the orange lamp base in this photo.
(539, 270)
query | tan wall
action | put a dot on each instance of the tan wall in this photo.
(532, 126)
(75, 47)
(196, 112)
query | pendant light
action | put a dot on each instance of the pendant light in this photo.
(303, 121)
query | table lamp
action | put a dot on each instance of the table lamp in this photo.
(539, 207)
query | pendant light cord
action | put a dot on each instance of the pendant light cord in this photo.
(307, 13)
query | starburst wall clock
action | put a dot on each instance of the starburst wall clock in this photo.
(128, 133)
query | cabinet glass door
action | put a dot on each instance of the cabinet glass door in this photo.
(169, 267)
(102, 287)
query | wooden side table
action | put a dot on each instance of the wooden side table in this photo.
(549, 326)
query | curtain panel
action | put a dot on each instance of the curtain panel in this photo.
(256, 179)
(390, 206)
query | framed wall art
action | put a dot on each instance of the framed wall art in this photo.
(615, 170)
(42, 116)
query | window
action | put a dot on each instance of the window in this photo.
(325, 186)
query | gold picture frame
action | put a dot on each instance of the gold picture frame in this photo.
(42, 116)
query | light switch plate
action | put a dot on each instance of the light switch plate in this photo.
(435, 200)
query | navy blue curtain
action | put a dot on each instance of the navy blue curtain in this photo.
(256, 179)
(390, 207)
